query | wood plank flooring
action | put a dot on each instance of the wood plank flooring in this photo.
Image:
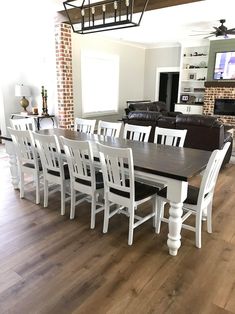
(50, 264)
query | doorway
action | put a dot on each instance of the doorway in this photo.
(167, 85)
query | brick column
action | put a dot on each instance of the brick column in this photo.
(64, 75)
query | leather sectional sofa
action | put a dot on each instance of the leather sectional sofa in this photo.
(203, 132)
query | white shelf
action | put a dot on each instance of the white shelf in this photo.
(194, 81)
(192, 93)
(194, 57)
(194, 69)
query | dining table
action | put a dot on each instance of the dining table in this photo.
(167, 165)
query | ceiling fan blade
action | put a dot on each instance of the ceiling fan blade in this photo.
(198, 34)
(231, 30)
(208, 36)
(195, 30)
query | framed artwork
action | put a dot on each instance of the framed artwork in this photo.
(184, 98)
(192, 76)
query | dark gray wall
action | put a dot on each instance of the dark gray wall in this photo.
(218, 46)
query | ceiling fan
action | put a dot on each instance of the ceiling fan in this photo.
(221, 30)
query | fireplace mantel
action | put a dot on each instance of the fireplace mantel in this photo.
(220, 84)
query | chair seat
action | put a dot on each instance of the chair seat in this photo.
(32, 166)
(57, 173)
(98, 179)
(141, 191)
(192, 195)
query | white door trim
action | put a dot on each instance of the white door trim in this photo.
(161, 70)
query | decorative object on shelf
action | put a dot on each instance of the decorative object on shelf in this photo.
(35, 110)
(192, 76)
(90, 16)
(191, 99)
(184, 98)
(44, 102)
(23, 91)
(199, 89)
(202, 64)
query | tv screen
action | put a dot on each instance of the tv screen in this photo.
(224, 66)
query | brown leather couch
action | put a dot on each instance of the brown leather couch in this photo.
(203, 132)
(152, 106)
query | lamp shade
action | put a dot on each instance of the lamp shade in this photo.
(22, 90)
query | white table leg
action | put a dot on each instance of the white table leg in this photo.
(13, 164)
(176, 194)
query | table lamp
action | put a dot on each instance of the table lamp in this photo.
(23, 91)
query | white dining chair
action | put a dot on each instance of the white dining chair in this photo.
(109, 128)
(23, 124)
(83, 177)
(27, 157)
(84, 125)
(136, 132)
(199, 200)
(121, 189)
(55, 170)
(172, 137)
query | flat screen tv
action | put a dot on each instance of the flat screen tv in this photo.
(224, 66)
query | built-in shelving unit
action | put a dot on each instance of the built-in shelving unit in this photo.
(193, 74)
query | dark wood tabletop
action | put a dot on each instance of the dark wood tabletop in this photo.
(167, 161)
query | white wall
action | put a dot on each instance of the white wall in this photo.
(27, 54)
(132, 63)
(154, 58)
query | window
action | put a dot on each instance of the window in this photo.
(100, 83)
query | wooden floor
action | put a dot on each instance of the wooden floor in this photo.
(50, 264)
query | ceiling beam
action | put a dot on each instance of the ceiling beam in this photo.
(152, 5)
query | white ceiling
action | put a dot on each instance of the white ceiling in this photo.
(176, 24)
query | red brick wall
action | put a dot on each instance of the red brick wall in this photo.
(212, 93)
(64, 75)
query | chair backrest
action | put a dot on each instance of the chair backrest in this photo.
(23, 124)
(118, 170)
(211, 173)
(24, 146)
(50, 153)
(172, 137)
(81, 161)
(136, 132)
(84, 125)
(109, 128)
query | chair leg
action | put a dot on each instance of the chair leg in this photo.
(62, 211)
(93, 210)
(21, 184)
(199, 230)
(209, 218)
(37, 189)
(158, 215)
(45, 193)
(72, 205)
(106, 216)
(131, 225)
(154, 202)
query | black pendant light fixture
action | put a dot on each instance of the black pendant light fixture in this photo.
(87, 16)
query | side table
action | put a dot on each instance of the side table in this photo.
(36, 117)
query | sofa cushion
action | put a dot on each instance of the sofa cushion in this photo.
(158, 106)
(198, 120)
(144, 115)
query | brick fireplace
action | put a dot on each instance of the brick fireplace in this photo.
(218, 90)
